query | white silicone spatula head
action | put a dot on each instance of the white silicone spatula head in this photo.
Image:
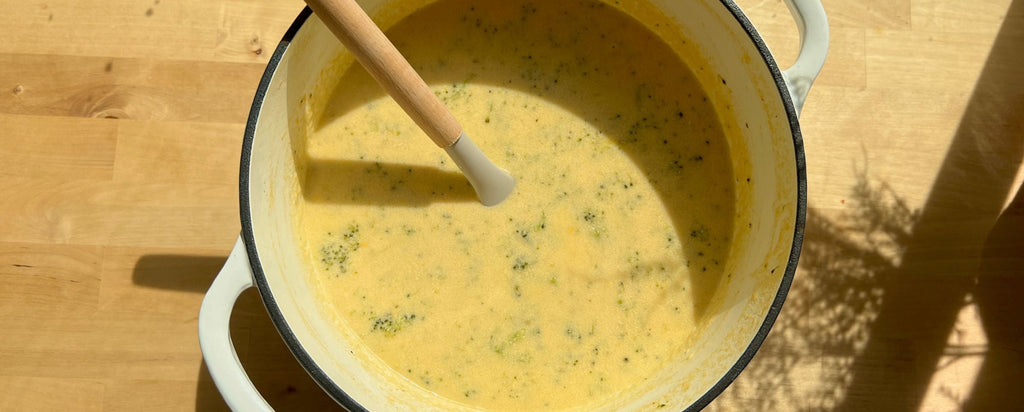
(492, 185)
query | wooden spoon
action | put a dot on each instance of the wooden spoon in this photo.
(383, 61)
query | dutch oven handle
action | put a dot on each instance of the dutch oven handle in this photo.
(215, 336)
(810, 19)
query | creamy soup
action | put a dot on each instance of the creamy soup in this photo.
(592, 276)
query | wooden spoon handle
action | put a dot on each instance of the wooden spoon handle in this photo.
(367, 43)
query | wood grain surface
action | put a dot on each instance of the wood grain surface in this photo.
(121, 124)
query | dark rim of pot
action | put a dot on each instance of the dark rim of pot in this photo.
(307, 362)
(332, 389)
(801, 214)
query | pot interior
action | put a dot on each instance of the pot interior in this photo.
(718, 44)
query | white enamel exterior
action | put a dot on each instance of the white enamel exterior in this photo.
(763, 135)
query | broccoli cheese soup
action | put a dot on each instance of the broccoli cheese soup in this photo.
(592, 276)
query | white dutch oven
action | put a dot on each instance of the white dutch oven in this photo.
(763, 99)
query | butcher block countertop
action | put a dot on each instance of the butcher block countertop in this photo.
(121, 125)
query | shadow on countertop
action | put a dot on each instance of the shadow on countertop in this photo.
(264, 355)
(177, 272)
(965, 248)
(875, 313)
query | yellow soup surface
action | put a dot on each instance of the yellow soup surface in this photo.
(592, 276)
